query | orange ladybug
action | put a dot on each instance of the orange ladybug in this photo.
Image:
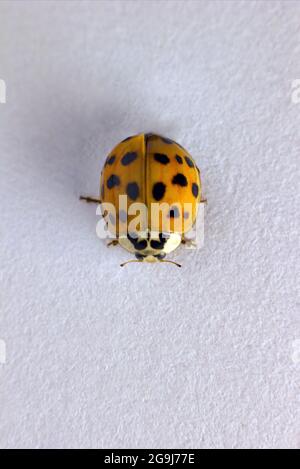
(151, 171)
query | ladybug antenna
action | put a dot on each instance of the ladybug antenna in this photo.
(171, 262)
(128, 262)
(137, 260)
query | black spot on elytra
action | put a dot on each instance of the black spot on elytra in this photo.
(128, 158)
(158, 190)
(110, 160)
(180, 180)
(122, 216)
(161, 158)
(132, 190)
(174, 212)
(179, 159)
(113, 181)
(195, 189)
(189, 161)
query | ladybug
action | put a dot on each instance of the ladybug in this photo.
(154, 171)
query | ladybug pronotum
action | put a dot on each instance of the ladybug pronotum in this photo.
(159, 173)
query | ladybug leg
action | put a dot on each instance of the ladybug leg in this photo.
(203, 201)
(90, 199)
(114, 242)
(189, 243)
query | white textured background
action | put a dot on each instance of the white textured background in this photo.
(149, 355)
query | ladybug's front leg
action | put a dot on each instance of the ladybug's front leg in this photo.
(90, 199)
(114, 242)
(189, 243)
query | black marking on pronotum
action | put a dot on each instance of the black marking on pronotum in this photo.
(179, 159)
(139, 245)
(161, 158)
(113, 181)
(189, 161)
(128, 158)
(180, 180)
(158, 190)
(195, 189)
(132, 190)
(155, 244)
(158, 243)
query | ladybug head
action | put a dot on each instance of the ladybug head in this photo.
(153, 247)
